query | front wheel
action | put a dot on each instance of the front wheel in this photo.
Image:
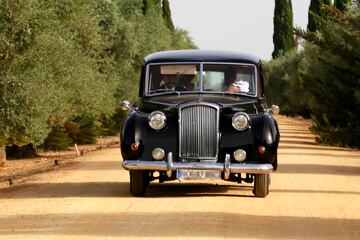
(261, 186)
(138, 182)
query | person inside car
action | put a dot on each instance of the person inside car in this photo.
(186, 81)
(236, 84)
(171, 83)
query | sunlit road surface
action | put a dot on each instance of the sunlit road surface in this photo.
(315, 194)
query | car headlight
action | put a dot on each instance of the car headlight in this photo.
(157, 120)
(240, 121)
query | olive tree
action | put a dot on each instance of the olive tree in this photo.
(49, 68)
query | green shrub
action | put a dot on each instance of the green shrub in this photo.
(284, 84)
(331, 76)
(82, 130)
(57, 140)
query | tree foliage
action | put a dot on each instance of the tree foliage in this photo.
(314, 14)
(323, 80)
(332, 76)
(342, 5)
(284, 84)
(167, 15)
(63, 59)
(48, 67)
(283, 37)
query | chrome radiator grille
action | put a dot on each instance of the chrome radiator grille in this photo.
(198, 132)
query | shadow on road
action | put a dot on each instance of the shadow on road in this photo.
(185, 224)
(118, 189)
(319, 147)
(318, 169)
(329, 155)
(67, 189)
(155, 190)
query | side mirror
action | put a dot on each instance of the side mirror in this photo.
(275, 109)
(126, 105)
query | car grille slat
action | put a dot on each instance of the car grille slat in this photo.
(198, 132)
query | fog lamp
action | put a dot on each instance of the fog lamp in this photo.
(240, 155)
(158, 154)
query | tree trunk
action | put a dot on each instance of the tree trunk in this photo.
(2, 156)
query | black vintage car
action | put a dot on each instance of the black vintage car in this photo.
(201, 115)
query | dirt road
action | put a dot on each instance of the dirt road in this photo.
(314, 195)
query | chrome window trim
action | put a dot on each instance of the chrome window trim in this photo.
(201, 77)
(217, 108)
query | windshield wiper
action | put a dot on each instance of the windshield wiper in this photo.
(160, 90)
(243, 94)
(163, 91)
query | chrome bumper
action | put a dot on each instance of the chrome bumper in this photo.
(226, 167)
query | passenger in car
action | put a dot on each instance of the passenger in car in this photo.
(236, 84)
(186, 81)
(171, 83)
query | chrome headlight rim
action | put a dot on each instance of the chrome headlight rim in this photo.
(157, 120)
(243, 126)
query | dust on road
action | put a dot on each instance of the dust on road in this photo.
(314, 195)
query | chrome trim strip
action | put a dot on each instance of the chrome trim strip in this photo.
(169, 165)
(201, 75)
(227, 167)
(164, 166)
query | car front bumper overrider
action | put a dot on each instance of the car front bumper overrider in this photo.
(169, 166)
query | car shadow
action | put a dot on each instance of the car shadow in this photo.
(159, 190)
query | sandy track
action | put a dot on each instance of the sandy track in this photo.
(314, 195)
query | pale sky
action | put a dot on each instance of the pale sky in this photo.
(238, 25)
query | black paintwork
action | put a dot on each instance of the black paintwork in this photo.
(201, 56)
(263, 129)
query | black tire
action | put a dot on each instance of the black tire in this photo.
(138, 182)
(261, 185)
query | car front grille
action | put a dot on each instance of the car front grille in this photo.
(198, 132)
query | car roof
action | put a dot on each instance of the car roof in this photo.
(201, 56)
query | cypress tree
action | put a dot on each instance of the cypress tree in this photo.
(148, 4)
(283, 37)
(314, 12)
(342, 4)
(167, 15)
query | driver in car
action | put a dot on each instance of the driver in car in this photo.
(171, 83)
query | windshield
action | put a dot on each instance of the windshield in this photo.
(215, 77)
